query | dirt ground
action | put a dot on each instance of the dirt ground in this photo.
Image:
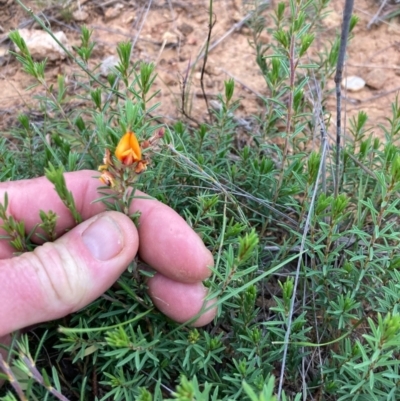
(173, 33)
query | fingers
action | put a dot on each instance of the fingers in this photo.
(36, 291)
(61, 277)
(181, 301)
(167, 243)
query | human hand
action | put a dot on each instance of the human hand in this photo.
(62, 277)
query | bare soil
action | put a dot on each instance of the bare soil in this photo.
(173, 35)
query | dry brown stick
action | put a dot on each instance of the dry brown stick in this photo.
(381, 67)
(183, 97)
(235, 27)
(211, 24)
(376, 18)
(362, 167)
(360, 102)
(370, 15)
(348, 11)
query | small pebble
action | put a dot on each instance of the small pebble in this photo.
(170, 38)
(186, 29)
(376, 79)
(3, 55)
(108, 64)
(42, 46)
(353, 83)
(80, 15)
(113, 12)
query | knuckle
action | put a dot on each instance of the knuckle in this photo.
(60, 275)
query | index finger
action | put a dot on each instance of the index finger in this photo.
(166, 242)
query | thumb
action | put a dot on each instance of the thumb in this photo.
(61, 277)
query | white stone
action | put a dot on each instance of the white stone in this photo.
(113, 12)
(3, 51)
(108, 64)
(353, 83)
(170, 38)
(41, 45)
(80, 15)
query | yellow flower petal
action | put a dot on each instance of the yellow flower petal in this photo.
(128, 149)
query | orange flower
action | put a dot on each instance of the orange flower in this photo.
(128, 149)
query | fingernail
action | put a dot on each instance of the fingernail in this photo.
(103, 238)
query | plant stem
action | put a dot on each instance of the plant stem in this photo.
(348, 10)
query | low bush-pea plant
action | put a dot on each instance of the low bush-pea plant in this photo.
(306, 266)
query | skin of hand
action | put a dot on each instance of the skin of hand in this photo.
(62, 277)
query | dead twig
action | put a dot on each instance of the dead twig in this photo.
(375, 19)
(183, 97)
(373, 66)
(234, 28)
(211, 24)
(358, 103)
(348, 11)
